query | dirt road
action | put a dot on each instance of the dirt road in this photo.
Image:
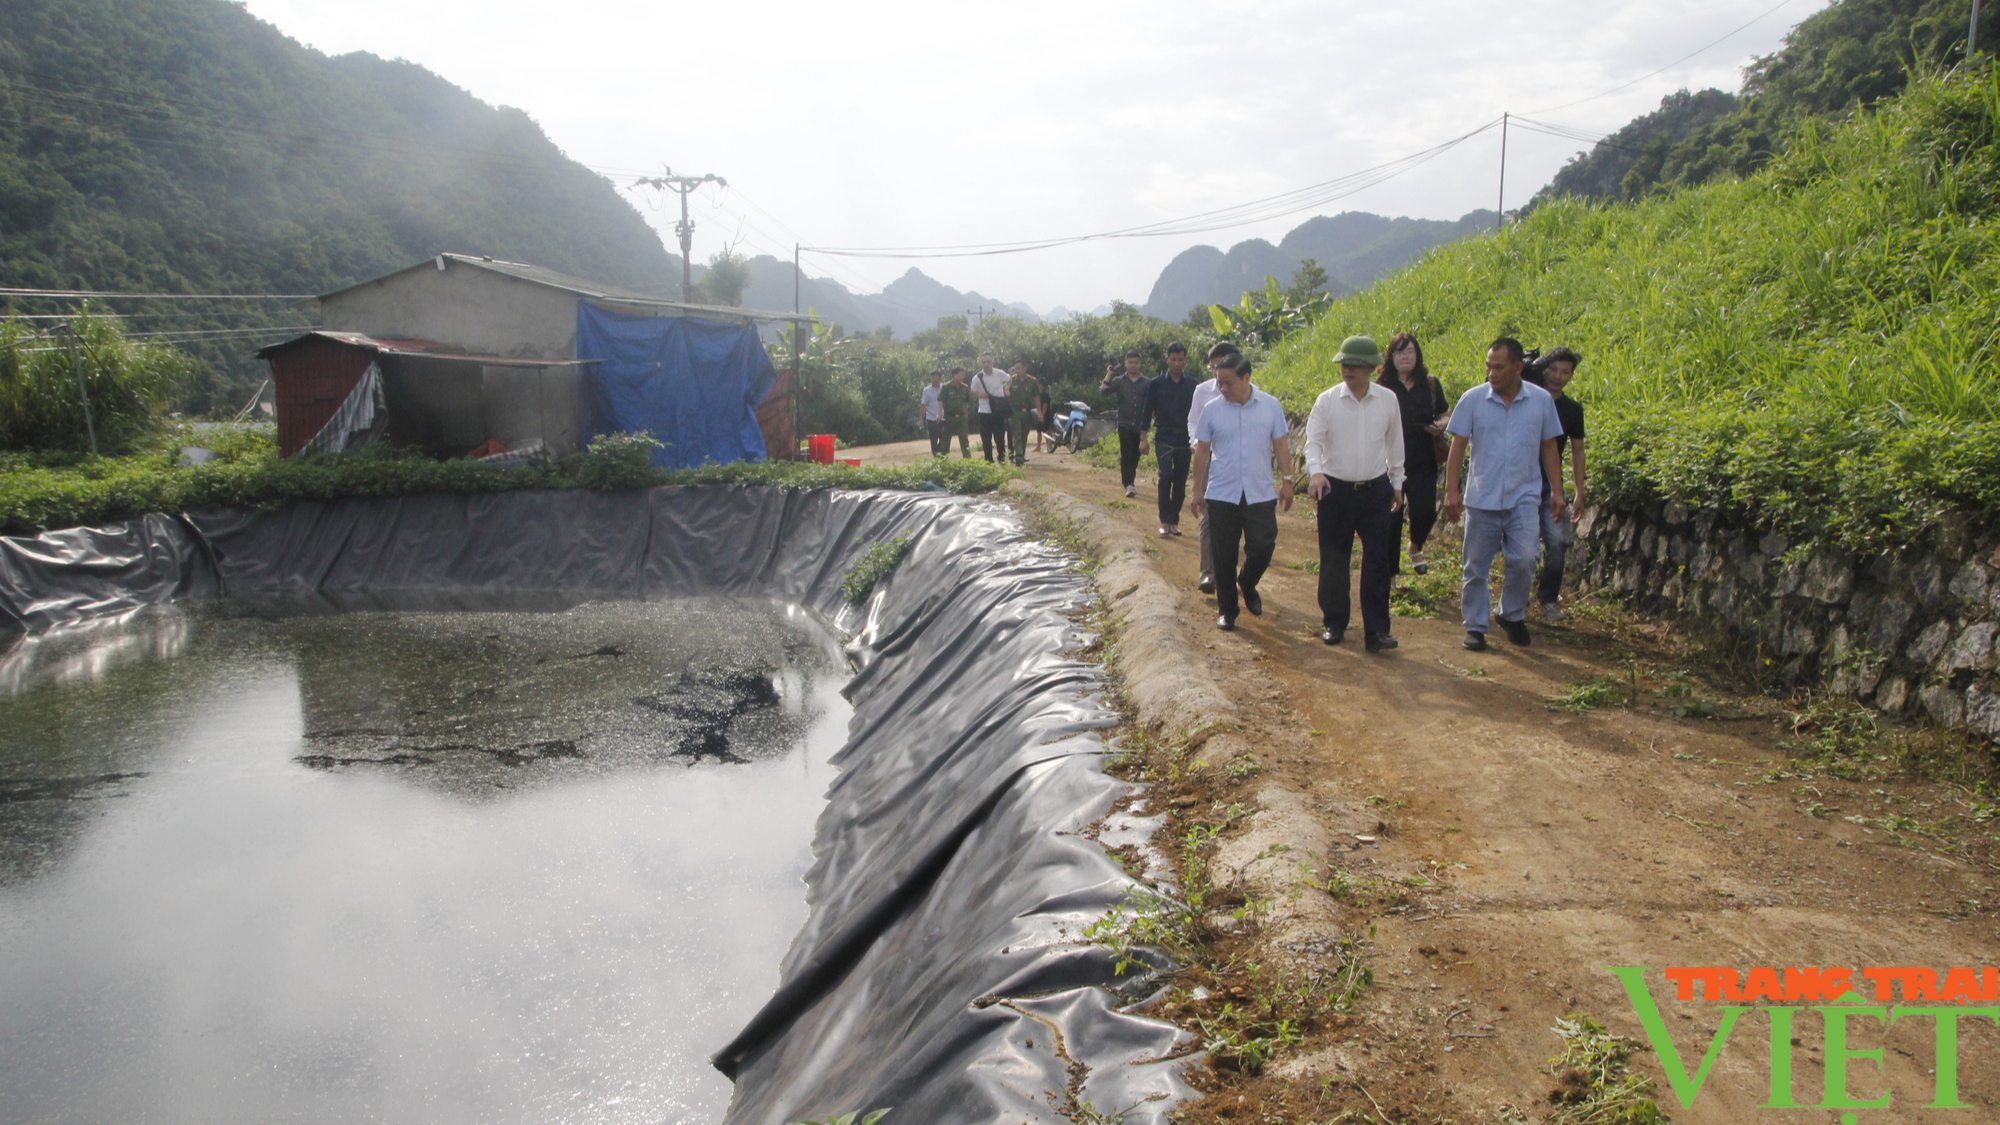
(1504, 853)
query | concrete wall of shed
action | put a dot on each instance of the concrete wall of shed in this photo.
(478, 311)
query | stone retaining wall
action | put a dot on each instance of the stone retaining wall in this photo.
(1908, 634)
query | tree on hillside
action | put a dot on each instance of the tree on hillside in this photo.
(186, 146)
(728, 275)
(1851, 54)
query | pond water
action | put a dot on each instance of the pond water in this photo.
(517, 862)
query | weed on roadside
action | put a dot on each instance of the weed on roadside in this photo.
(1422, 595)
(1593, 1084)
(855, 1118)
(1146, 919)
(873, 567)
(1591, 693)
(1042, 519)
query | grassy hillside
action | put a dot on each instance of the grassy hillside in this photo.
(186, 146)
(1814, 349)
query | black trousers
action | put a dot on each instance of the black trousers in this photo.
(1128, 455)
(1174, 462)
(1255, 526)
(939, 442)
(1345, 511)
(1420, 502)
(993, 432)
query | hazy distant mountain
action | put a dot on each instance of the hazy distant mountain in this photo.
(1354, 248)
(911, 303)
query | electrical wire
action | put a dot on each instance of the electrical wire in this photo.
(1628, 85)
(1569, 134)
(1242, 214)
(74, 293)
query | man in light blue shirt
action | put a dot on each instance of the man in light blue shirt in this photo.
(1241, 437)
(1512, 428)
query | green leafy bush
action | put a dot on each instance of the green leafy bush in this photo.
(45, 375)
(1812, 350)
(616, 461)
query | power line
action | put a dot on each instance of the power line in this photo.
(1243, 214)
(1569, 134)
(1669, 66)
(272, 330)
(72, 293)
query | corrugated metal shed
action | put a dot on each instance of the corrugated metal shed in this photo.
(582, 287)
(312, 374)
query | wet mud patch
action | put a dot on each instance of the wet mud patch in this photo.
(500, 700)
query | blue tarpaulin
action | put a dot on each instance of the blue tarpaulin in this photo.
(693, 384)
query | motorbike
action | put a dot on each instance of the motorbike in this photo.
(1069, 427)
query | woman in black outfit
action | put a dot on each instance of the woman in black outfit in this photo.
(1425, 413)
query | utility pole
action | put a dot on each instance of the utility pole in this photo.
(978, 315)
(683, 186)
(1500, 205)
(1972, 32)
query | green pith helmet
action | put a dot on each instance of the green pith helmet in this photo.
(1359, 351)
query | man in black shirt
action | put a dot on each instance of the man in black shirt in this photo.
(1557, 369)
(1165, 406)
(1130, 388)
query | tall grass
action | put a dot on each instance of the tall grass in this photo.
(1764, 348)
(41, 401)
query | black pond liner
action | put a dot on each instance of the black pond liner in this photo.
(942, 970)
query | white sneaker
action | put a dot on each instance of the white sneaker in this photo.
(1131, 490)
(1552, 612)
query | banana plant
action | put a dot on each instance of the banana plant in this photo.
(1268, 315)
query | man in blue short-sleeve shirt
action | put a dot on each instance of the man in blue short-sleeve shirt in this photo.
(1241, 438)
(1511, 427)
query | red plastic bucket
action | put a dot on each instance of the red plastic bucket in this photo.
(851, 462)
(821, 446)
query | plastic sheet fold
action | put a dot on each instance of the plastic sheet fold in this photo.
(942, 970)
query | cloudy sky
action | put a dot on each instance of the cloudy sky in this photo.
(878, 123)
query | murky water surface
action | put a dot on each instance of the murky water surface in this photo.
(527, 863)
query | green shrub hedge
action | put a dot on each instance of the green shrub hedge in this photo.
(35, 496)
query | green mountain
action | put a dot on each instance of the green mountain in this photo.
(1850, 54)
(1353, 247)
(186, 146)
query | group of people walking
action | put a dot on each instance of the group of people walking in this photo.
(1376, 443)
(1007, 405)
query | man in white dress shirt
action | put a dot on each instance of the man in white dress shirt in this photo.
(989, 387)
(1203, 395)
(1241, 438)
(933, 406)
(1354, 451)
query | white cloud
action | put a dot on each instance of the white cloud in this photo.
(885, 123)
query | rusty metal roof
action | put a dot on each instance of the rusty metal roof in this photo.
(582, 287)
(411, 346)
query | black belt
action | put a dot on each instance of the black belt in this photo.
(1358, 485)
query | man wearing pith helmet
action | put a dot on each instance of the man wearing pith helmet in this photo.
(1354, 451)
